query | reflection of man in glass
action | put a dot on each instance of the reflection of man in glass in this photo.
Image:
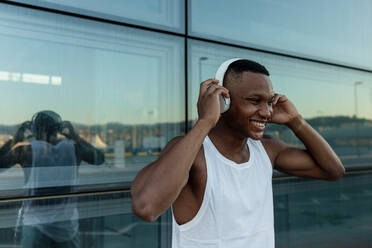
(50, 166)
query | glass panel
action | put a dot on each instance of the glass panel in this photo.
(334, 30)
(322, 214)
(100, 221)
(122, 90)
(335, 101)
(161, 14)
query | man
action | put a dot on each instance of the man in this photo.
(50, 167)
(217, 178)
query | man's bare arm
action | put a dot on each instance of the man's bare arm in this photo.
(17, 155)
(318, 160)
(159, 184)
(15, 151)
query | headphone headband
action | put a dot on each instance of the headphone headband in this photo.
(220, 74)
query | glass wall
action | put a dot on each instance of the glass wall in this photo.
(313, 213)
(121, 89)
(308, 214)
(333, 31)
(101, 221)
(161, 14)
(90, 96)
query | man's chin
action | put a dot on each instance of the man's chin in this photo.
(256, 136)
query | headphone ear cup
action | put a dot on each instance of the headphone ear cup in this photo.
(224, 104)
(220, 74)
(227, 104)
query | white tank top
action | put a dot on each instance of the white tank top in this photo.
(237, 208)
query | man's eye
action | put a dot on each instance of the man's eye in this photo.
(254, 100)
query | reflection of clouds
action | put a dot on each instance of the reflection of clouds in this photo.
(35, 78)
(30, 78)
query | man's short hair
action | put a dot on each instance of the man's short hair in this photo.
(237, 67)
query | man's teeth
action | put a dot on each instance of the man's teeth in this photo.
(259, 123)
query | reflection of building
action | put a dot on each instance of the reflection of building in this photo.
(350, 137)
(344, 133)
(154, 142)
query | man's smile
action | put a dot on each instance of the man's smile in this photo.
(259, 124)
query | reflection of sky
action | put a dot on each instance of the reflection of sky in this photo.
(315, 89)
(336, 30)
(131, 77)
(97, 87)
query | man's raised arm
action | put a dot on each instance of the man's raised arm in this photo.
(318, 160)
(158, 185)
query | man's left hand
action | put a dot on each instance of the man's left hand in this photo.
(284, 112)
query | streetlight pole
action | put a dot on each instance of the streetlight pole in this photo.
(356, 98)
(200, 67)
(356, 115)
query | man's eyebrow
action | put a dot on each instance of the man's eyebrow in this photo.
(255, 95)
(261, 95)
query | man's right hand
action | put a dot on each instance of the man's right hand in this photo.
(208, 102)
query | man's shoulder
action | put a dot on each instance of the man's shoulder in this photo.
(173, 142)
(270, 141)
(272, 145)
(199, 159)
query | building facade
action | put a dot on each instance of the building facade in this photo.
(126, 74)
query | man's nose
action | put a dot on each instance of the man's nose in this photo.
(265, 111)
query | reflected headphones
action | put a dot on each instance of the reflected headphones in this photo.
(48, 120)
(220, 74)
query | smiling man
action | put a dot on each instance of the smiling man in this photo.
(217, 178)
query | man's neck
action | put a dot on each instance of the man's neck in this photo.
(227, 140)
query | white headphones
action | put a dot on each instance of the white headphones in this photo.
(220, 74)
